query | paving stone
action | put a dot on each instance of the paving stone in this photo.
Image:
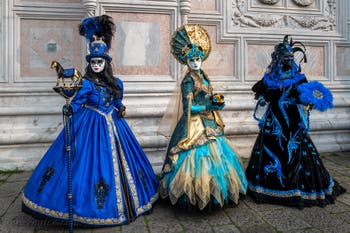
(243, 216)
(218, 217)
(19, 177)
(263, 228)
(161, 211)
(15, 229)
(344, 198)
(3, 177)
(51, 229)
(115, 229)
(284, 220)
(11, 189)
(5, 204)
(262, 207)
(226, 229)
(306, 230)
(246, 217)
(337, 207)
(320, 218)
(135, 227)
(162, 219)
(165, 226)
(197, 227)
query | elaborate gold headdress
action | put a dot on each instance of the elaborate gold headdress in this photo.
(190, 40)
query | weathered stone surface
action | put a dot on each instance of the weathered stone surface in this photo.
(138, 226)
(284, 220)
(226, 229)
(247, 217)
(243, 216)
(263, 228)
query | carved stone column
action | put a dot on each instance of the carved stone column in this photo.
(90, 6)
(185, 8)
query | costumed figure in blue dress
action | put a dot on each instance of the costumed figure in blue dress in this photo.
(112, 180)
(201, 170)
(285, 167)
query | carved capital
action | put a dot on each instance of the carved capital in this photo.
(90, 6)
(185, 9)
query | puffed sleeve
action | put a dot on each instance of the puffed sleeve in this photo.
(118, 103)
(187, 87)
(82, 95)
(259, 88)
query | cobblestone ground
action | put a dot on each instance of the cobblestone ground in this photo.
(246, 217)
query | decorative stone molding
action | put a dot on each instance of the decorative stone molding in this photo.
(270, 2)
(241, 17)
(90, 6)
(303, 2)
(324, 23)
(185, 9)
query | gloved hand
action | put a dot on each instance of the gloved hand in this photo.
(210, 107)
(309, 107)
(121, 112)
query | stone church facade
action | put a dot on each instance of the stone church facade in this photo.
(243, 33)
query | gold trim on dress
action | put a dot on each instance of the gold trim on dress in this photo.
(119, 198)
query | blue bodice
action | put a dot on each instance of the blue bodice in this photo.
(96, 96)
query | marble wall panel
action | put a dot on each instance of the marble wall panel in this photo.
(204, 5)
(45, 40)
(141, 45)
(342, 63)
(221, 61)
(315, 68)
(259, 58)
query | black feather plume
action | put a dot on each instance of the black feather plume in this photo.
(100, 26)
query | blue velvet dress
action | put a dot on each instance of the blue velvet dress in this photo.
(285, 167)
(201, 169)
(112, 180)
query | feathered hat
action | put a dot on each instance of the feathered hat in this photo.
(99, 32)
(189, 41)
(289, 47)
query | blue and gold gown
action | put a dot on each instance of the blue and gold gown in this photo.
(112, 180)
(285, 167)
(201, 168)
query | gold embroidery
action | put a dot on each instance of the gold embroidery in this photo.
(199, 36)
(198, 189)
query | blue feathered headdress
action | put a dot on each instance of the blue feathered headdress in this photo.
(99, 32)
(316, 94)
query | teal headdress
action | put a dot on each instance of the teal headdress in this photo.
(190, 41)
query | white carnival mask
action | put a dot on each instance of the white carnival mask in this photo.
(97, 64)
(194, 63)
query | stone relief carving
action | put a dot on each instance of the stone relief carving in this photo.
(304, 2)
(269, 2)
(324, 23)
(242, 18)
